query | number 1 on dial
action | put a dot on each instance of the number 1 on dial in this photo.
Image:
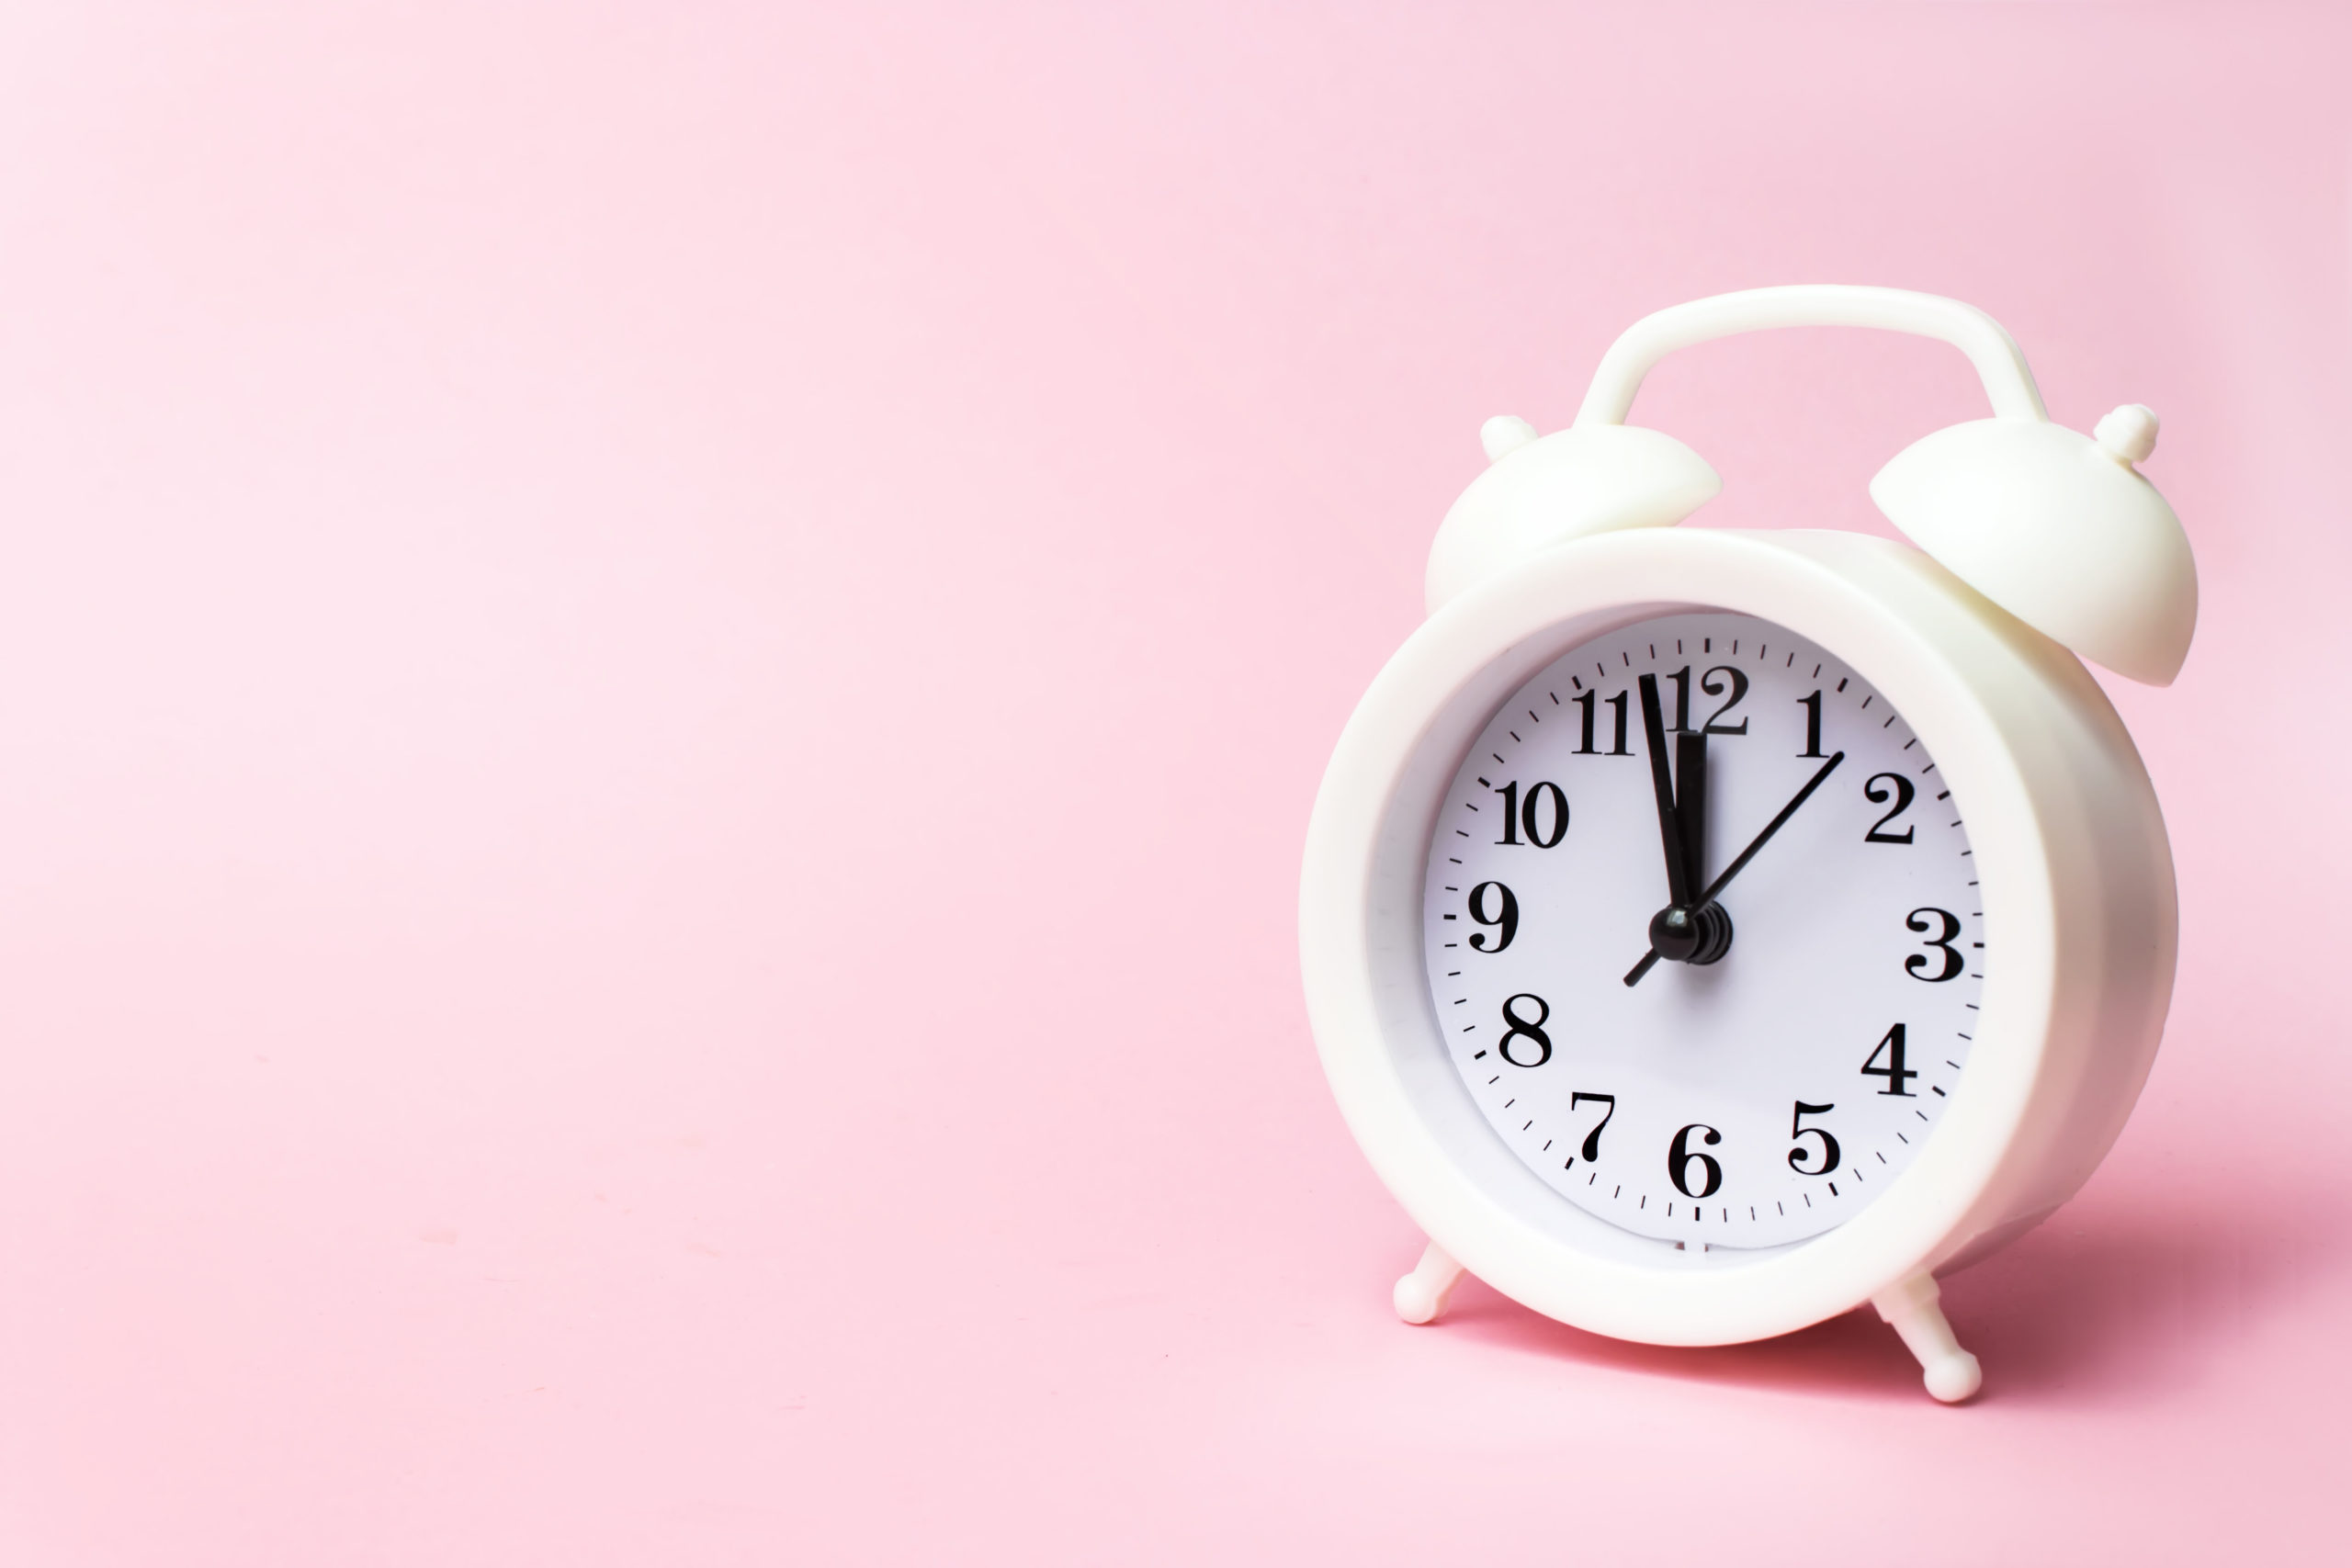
(1812, 707)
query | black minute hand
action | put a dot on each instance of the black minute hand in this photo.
(1740, 864)
(1772, 828)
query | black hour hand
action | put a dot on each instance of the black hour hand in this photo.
(1690, 804)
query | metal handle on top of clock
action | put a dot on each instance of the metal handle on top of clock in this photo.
(2008, 381)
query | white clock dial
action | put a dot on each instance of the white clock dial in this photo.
(1769, 1095)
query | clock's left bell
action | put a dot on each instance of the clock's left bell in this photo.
(1542, 491)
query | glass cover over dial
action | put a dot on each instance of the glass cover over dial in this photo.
(1704, 933)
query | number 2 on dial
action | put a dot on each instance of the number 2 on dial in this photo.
(1901, 795)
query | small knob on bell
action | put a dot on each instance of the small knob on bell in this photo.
(1503, 434)
(2129, 433)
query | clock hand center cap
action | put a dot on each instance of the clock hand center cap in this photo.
(1692, 936)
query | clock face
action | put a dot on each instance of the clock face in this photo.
(1770, 1094)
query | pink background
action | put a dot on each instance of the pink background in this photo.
(660, 674)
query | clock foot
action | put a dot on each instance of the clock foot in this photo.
(1913, 1307)
(1420, 1296)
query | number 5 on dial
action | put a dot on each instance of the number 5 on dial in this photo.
(1829, 1151)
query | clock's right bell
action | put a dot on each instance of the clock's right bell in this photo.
(2059, 529)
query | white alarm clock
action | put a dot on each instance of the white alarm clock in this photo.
(1707, 931)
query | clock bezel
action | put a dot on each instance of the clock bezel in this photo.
(1370, 1003)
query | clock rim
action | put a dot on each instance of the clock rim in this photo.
(1416, 722)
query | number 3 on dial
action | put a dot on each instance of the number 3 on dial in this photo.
(1940, 943)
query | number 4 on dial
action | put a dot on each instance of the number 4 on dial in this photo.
(1896, 1074)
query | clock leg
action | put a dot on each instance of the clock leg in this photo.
(1420, 1296)
(1913, 1307)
